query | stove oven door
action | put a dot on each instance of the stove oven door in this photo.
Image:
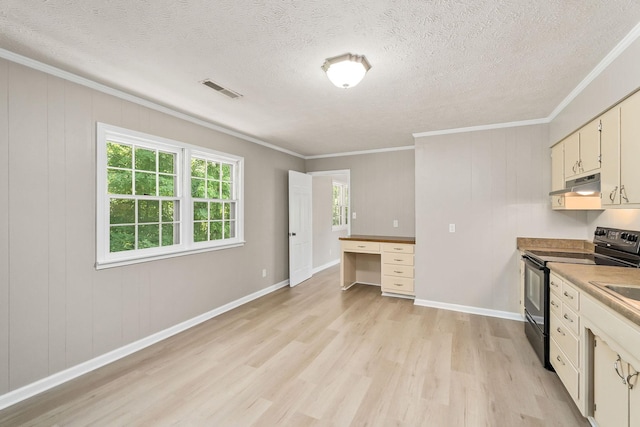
(536, 294)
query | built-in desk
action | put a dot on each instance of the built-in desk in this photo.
(386, 261)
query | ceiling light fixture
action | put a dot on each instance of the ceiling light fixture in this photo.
(346, 70)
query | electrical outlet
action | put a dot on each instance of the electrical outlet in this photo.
(452, 228)
(264, 272)
(395, 223)
(353, 215)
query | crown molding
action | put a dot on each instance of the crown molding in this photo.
(357, 153)
(482, 127)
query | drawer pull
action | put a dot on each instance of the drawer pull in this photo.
(568, 318)
(397, 260)
(398, 272)
(560, 360)
(554, 284)
(361, 246)
(398, 249)
(553, 303)
(567, 295)
(560, 331)
(398, 284)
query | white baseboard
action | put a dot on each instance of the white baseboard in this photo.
(58, 378)
(467, 309)
(325, 266)
(390, 294)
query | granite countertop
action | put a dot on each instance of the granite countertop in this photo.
(575, 245)
(580, 275)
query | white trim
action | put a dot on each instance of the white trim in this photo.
(482, 127)
(606, 61)
(329, 173)
(467, 309)
(325, 266)
(74, 78)
(58, 378)
(357, 153)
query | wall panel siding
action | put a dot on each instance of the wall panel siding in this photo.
(28, 231)
(4, 228)
(57, 220)
(382, 189)
(60, 310)
(493, 185)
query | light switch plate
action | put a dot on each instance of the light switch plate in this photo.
(452, 228)
(395, 223)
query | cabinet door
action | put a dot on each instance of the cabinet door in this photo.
(571, 155)
(610, 150)
(557, 167)
(634, 399)
(610, 395)
(630, 149)
(590, 147)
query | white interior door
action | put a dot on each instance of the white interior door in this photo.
(300, 229)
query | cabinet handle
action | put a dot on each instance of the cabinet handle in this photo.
(580, 165)
(560, 331)
(399, 272)
(554, 284)
(361, 246)
(560, 360)
(559, 200)
(568, 318)
(567, 295)
(612, 195)
(574, 167)
(623, 193)
(553, 303)
(397, 260)
(397, 249)
(629, 378)
(398, 284)
(615, 366)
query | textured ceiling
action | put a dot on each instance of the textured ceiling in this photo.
(437, 64)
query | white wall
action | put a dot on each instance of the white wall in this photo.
(493, 185)
(326, 246)
(56, 310)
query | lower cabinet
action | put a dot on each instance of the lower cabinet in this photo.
(616, 394)
(397, 268)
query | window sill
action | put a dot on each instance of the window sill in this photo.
(120, 263)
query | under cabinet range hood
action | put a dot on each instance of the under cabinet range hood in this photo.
(584, 186)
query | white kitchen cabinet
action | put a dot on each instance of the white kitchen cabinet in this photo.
(630, 150)
(557, 174)
(610, 165)
(571, 155)
(397, 268)
(614, 386)
(582, 151)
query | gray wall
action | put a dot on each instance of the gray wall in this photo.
(56, 310)
(493, 185)
(326, 246)
(382, 189)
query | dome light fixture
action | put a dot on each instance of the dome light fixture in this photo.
(346, 70)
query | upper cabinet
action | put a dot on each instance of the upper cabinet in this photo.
(630, 150)
(610, 147)
(557, 174)
(582, 151)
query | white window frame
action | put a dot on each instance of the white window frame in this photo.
(104, 258)
(344, 222)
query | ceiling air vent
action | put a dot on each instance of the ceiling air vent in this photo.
(226, 92)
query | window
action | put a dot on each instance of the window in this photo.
(340, 205)
(158, 198)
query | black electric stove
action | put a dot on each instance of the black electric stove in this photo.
(613, 247)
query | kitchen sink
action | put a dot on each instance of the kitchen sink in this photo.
(630, 293)
(627, 291)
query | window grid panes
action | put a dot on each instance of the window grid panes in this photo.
(214, 204)
(340, 205)
(143, 209)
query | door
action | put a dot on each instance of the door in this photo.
(300, 229)
(590, 147)
(610, 168)
(630, 150)
(571, 155)
(610, 392)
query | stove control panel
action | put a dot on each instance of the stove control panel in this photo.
(624, 240)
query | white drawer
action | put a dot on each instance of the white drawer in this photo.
(567, 342)
(360, 246)
(568, 374)
(570, 319)
(397, 270)
(398, 248)
(570, 296)
(555, 304)
(397, 258)
(555, 283)
(399, 285)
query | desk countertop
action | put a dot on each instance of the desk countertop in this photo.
(383, 239)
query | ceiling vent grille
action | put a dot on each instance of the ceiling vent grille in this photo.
(223, 90)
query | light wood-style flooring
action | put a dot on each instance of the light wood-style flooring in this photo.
(317, 356)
